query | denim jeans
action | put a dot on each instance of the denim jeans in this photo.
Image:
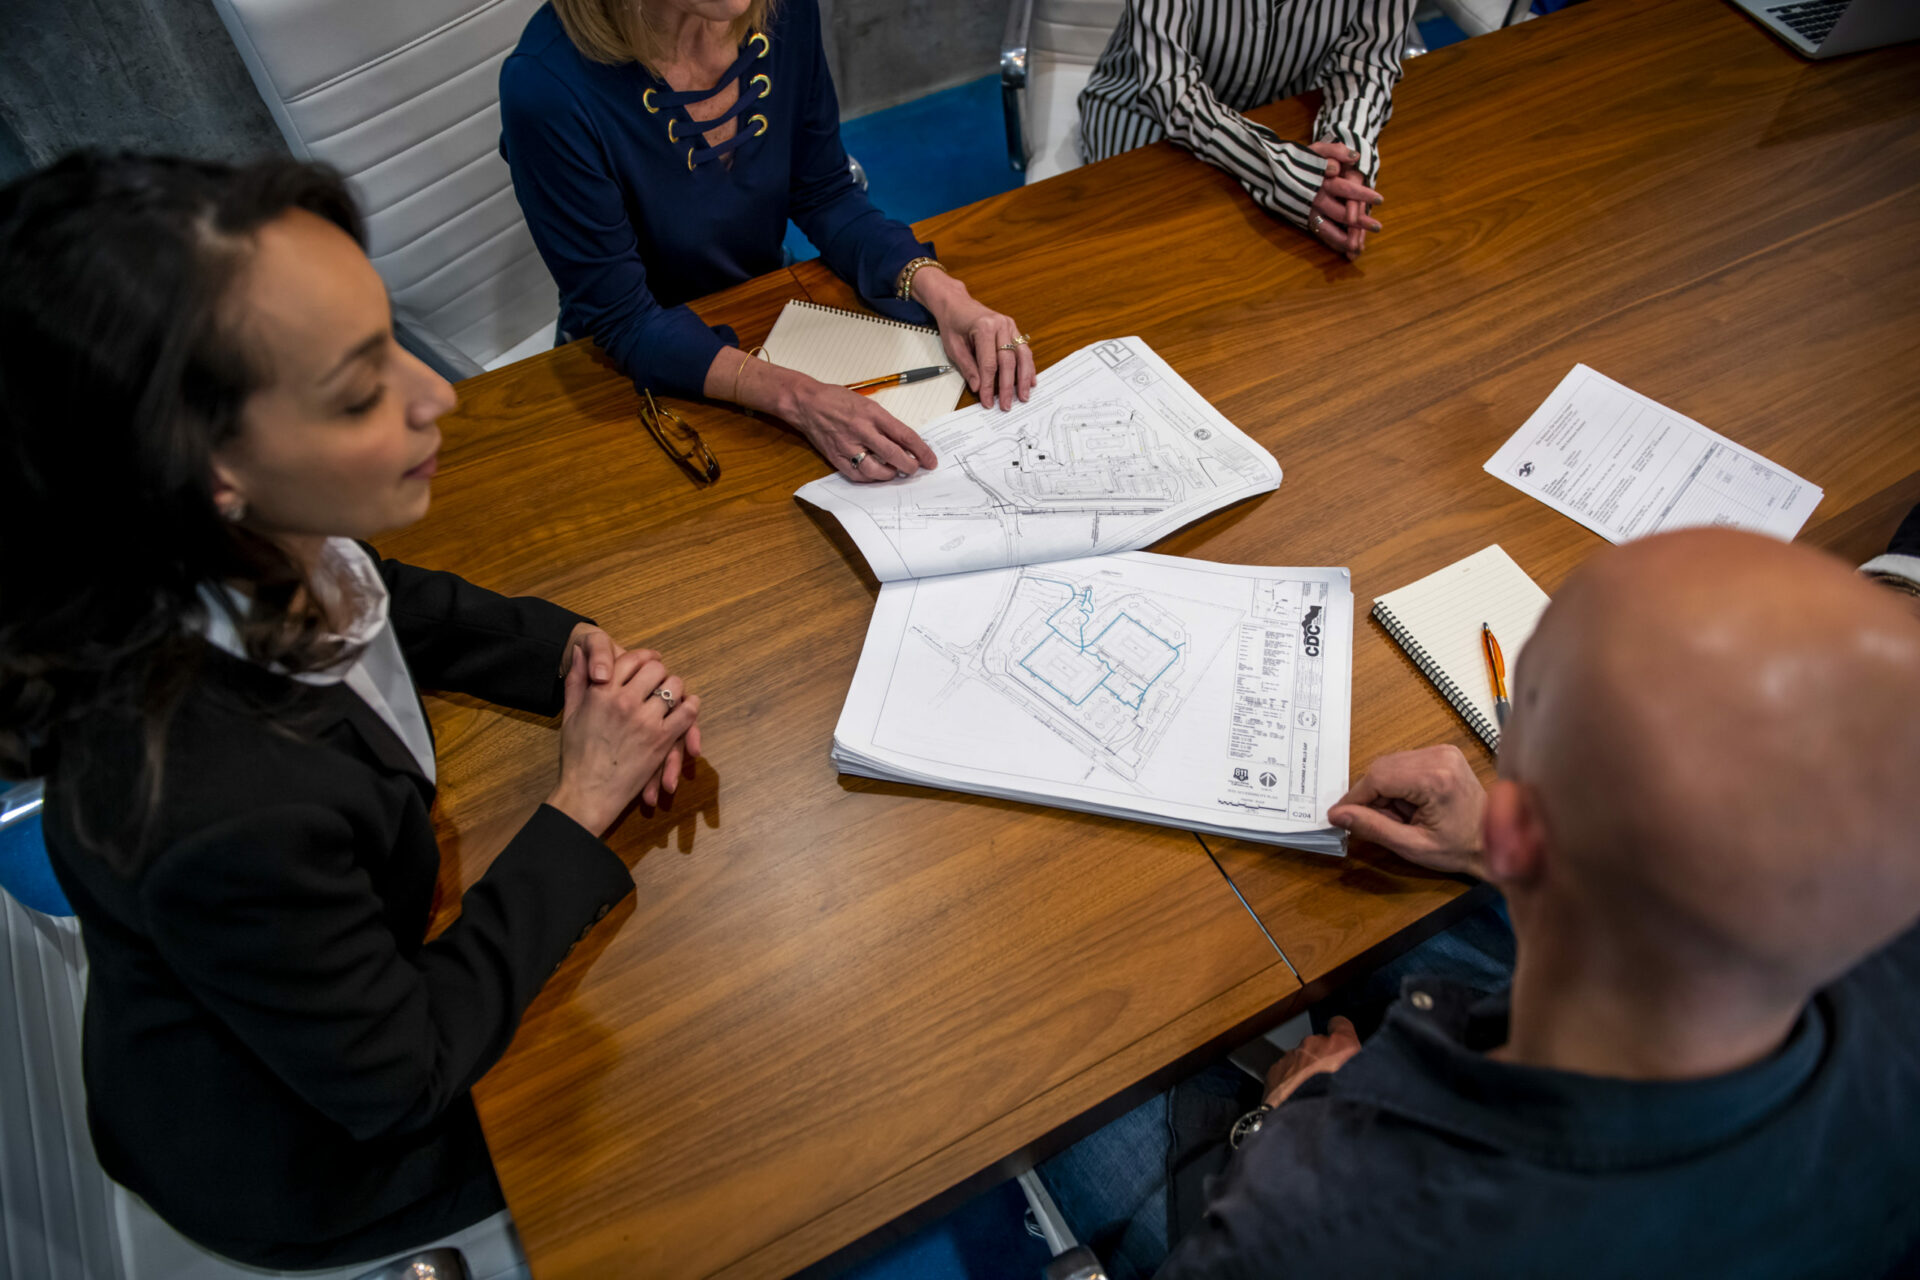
(1117, 1187)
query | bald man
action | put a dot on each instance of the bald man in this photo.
(1706, 831)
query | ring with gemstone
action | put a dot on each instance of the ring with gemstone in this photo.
(1313, 223)
(858, 458)
(665, 695)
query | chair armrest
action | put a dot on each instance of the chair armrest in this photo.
(433, 350)
(21, 801)
(429, 1264)
(1078, 1263)
(1013, 44)
(1013, 79)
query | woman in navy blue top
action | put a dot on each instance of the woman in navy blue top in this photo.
(659, 147)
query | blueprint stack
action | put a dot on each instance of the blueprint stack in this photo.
(1023, 647)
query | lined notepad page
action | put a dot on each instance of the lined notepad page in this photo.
(843, 346)
(1437, 621)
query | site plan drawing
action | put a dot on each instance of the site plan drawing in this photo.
(1206, 696)
(1113, 452)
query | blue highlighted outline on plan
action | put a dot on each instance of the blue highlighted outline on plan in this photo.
(1074, 665)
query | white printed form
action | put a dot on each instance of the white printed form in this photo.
(1113, 451)
(1626, 466)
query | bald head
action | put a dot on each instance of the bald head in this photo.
(1721, 734)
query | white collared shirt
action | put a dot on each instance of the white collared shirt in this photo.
(374, 667)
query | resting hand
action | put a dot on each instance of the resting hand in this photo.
(1343, 202)
(1314, 1055)
(1424, 805)
(844, 425)
(618, 739)
(979, 341)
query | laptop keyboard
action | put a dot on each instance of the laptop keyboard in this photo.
(1812, 18)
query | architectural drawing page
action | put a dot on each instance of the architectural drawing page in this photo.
(1208, 696)
(1113, 452)
(1626, 466)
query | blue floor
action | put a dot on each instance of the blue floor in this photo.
(928, 156)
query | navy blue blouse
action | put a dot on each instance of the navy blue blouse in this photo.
(635, 215)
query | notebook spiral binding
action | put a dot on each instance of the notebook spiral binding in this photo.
(863, 315)
(1458, 700)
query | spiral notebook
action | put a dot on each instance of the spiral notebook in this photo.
(1437, 621)
(845, 346)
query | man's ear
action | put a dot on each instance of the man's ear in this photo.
(1515, 834)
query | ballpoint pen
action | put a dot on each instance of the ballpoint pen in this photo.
(900, 379)
(1497, 667)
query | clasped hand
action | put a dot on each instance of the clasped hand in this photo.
(1343, 202)
(619, 738)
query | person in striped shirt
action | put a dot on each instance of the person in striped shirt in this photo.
(1186, 69)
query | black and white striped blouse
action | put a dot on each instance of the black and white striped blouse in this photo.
(1185, 69)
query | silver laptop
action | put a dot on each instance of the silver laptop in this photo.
(1827, 28)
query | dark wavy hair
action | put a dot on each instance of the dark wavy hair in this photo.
(123, 368)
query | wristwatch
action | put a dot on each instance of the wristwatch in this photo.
(1247, 1125)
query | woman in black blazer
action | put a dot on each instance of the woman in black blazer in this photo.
(203, 410)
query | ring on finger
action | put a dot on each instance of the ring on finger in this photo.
(1313, 223)
(665, 695)
(1018, 342)
(859, 457)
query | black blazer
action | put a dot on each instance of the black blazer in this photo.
(275, 1059)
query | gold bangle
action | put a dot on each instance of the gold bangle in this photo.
(742, 368)
(905, 287)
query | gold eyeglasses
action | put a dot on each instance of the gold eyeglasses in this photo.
(682, 443)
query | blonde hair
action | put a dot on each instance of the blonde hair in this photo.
(619, 31)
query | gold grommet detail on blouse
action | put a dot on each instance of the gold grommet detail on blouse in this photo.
(762, 122)
(689, 159)
(765, 44)
(646, 100)
(670, 137)
(769, 82)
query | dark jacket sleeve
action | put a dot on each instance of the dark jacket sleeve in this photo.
(862, 245)
(465, 639)
(270, 921)
(579, 221)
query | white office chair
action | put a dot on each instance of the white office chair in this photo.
(404, 100)
(1477, 17)
(1046, 57)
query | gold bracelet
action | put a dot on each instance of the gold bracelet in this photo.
(742, 368)
(905, 288)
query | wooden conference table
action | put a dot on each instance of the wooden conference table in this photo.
(833, 1002)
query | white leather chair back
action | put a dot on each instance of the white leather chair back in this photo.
(1064, 44)
(56, 1202)
(403, 98)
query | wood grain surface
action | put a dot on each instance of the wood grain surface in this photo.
(834, 1001)
(830, 999)
(1659, 190)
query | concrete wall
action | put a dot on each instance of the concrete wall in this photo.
(885, 52)
(161, 75)
(152, 75)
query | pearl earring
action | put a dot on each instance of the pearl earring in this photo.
(235, 511)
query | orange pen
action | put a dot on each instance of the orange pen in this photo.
(1497, 667)
(899, 379)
